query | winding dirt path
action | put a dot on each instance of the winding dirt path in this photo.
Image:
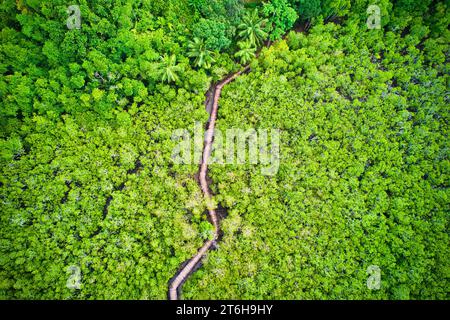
(177, 281)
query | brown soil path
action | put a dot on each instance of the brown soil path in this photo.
(176, 282)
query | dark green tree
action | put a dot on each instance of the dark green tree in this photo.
(281, 17)
(168, 69)
(202, 56)
(252, 28)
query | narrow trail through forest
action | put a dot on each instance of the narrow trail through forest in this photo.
(189, 267)
(177, 281)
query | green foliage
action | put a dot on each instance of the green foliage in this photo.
(168, 69)
(11, 148)
(227, 11)
(206, 230)
(281, 17)
(214, 33)
(246, 52)
(88, 179)
(363, 177)
(252, 28)
(202, 56)
(308, 8)
(197, 5)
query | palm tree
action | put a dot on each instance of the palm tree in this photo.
(168, 69)
(203, 56)
(251, 28)
(246, 52)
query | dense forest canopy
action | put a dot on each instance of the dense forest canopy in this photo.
(90, 194)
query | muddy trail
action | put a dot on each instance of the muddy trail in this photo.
(188, 267)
